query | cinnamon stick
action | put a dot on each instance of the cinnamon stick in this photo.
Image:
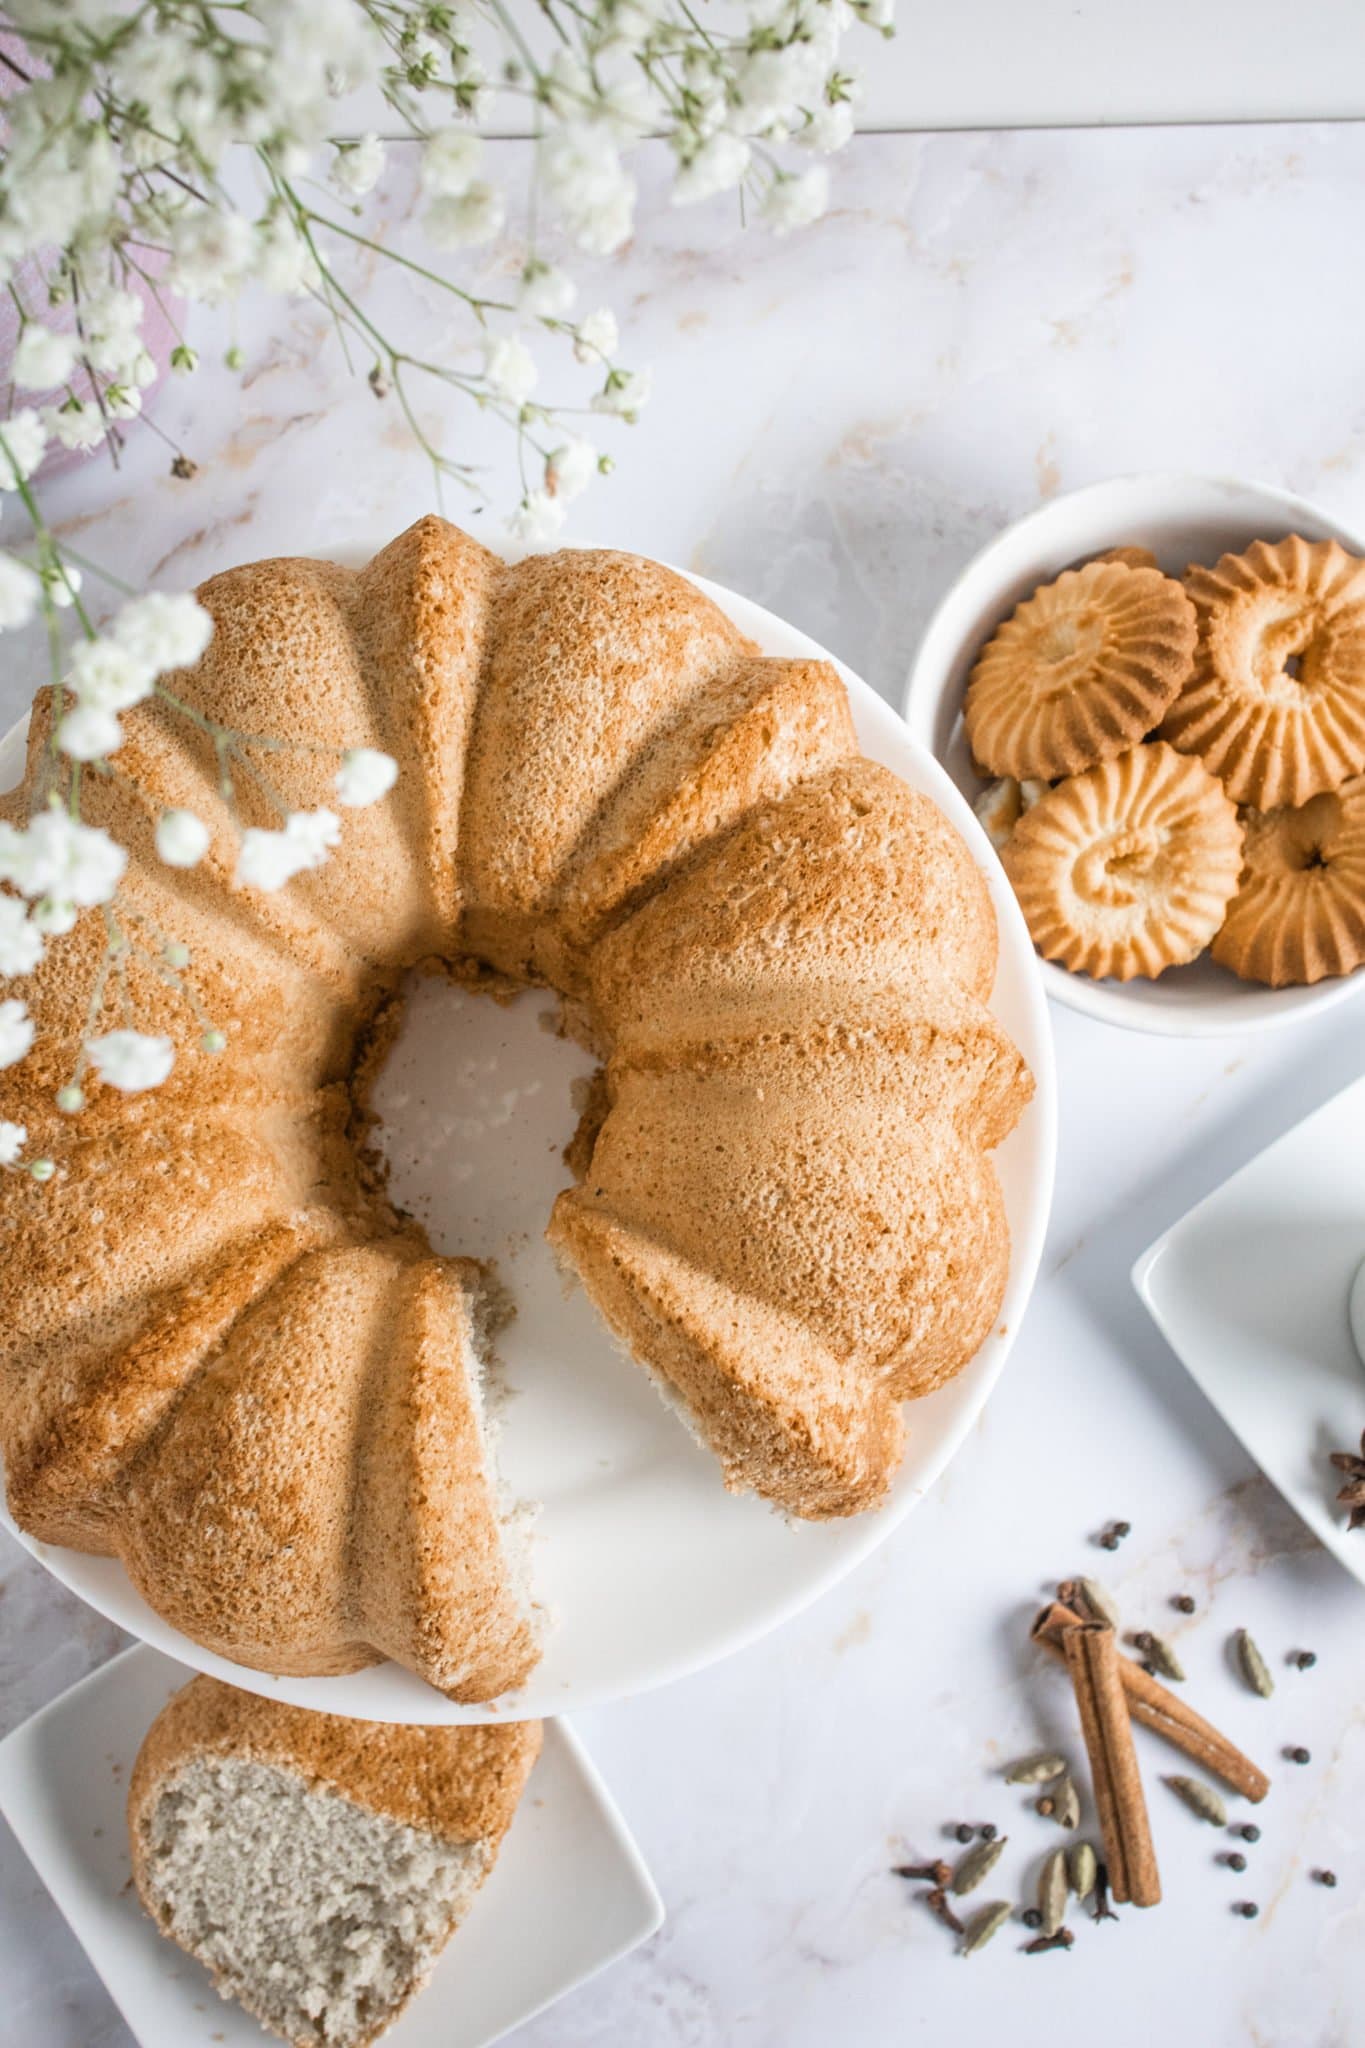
(1092, 1659)
(1159, 1709)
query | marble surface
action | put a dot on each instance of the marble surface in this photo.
(841, 419)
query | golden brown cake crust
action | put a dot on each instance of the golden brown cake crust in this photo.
(462, 1784)
(1275, 706)
(1080, 670)
(1299, 912)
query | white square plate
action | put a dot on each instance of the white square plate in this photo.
(570, 1893)
(1250, 1290)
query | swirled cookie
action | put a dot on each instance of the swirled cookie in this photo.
(1299, 914)
(1079, 671)
(1129, 868)
(1275, 705)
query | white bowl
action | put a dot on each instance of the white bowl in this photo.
(649, 1567)
(1182, 519)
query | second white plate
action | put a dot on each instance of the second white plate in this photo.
(569, 1895)
(1252, 1291)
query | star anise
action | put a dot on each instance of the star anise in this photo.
(1352, 1494)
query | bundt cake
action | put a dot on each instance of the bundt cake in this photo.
(229, 1361)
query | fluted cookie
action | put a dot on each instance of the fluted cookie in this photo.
(1275, 705)
(1082, 669)
(1299, 914)
(1127, 869)
(1002, 804)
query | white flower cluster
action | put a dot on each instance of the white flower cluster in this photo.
(110, 672)
(113, 193)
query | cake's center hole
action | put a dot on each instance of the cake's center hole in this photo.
(476, 1102)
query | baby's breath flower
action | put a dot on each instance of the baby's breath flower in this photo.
(357, 167)
(537, 518)
(509, 369)
(131, 1060)
(42, 1169)
(60, 858)
(544, 292)
(267, 860)
(62, 583)
(164, 630)
(829, 127)
(13, 1138)
(721, 162)
(76, 426)
(20, 591)
(365, 775)
(21, 947)
(182, 840)
(71, 1099)
(597, 336)
(590, 186)
(214, 1041)
(625, 393)
(450, 162)
(796, 202)
(16, 1031)
(55, 916)
(211, 253)
(89, 733)
(23, 440)
(109, 675)
(466, 220)
(569, 469)
(43, 357)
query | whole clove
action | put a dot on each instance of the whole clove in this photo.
(1063, 1938)
(1103, 1909)
(937, 1902)
(923, 1873)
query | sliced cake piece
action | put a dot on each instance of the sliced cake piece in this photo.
(330, 1467)
(316, 1866)
(784, 1416)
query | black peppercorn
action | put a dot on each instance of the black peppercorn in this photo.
(1299, 1755)
(1327, 1877)
(1247, 1910)
(989, 1832)
(1123, 1528)
(963, 1831)
(1249, 1831)
(1183, 1603)
(1306, 1659)
(1032, 1918)
(1109, 1541)
(1236, 1860)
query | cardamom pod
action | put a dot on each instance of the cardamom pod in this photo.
(1201, 1799)
(976, 1864)
(985, 1925)
(1062, 1803)
(1052, 1890)
(1035, 1770)
(1082, 1869)
(1100, 1603)
(1253, 1666)
(1160, 1655)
